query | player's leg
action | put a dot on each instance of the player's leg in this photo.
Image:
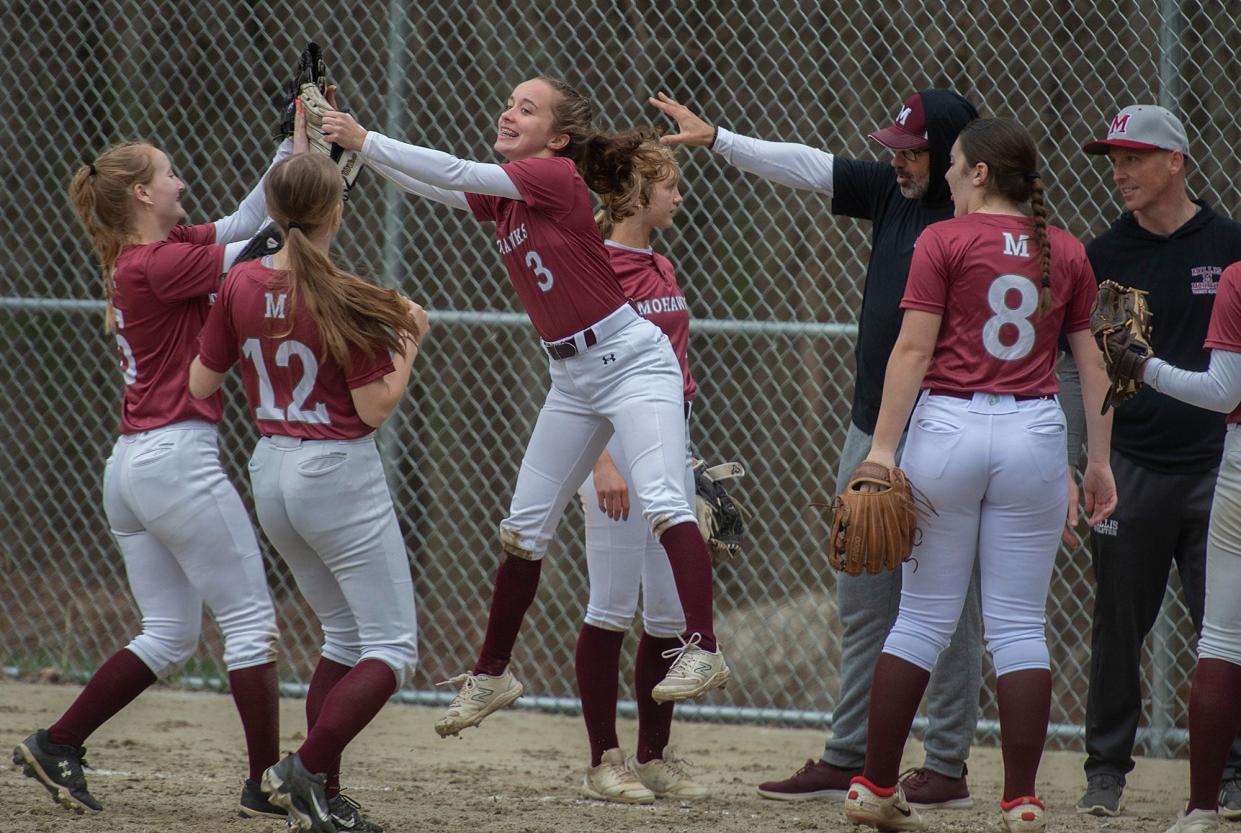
(1132, 555)
(945, 457)
(1023, 515)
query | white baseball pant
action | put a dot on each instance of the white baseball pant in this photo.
(623, 557)
(326, 508)
(994, 468)
(186, 539)
(1221, 624)
(629, 383)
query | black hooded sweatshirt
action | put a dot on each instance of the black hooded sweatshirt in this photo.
(1181, 272)
(868, 191)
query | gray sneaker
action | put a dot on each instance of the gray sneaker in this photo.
(347, 816)
(1105, 795)
(290, 785)
(1230, 799)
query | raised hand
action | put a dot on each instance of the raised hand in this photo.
(342, 129)
(692, 130)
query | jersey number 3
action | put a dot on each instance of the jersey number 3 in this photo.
(1017, 317)
(296, 412)
(544, 275)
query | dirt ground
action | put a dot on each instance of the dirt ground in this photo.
(171, 763)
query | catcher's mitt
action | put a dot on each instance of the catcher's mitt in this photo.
(1120, 322)
(309, 83)
(873, 530)
(721, 519)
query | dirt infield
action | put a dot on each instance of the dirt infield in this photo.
(172, 764)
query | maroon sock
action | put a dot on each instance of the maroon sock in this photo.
(654, 719)
(1025, 708)
(257, 695)
(895, 692)
(113, 687)
(516, 583)
(692, 571)
(350, 705)
(598, 669)
(327, 674)
(1214, 718)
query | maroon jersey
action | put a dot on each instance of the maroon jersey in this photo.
(1224, 331)
(295, 387)
(551, 247)
(981, 273)
(649, 280)
(163, 292)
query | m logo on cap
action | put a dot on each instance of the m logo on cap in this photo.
(1120, 124)
(903, 115)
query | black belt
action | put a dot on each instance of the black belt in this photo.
(956, 394)
(567, 349)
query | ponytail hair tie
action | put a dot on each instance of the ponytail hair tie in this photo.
(91, 165)
(1030, 177)
(1046, 282)
(297, 226)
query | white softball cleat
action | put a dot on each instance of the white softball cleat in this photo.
(612, 780)
(668, 777)
(1024, 815)
(693, 672)
(479, 696)
(866, 804)
(1197, 821)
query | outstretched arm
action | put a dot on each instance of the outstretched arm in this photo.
(453, 199)
(1218, 388)
(443, 170)
(788, 163)
(251, 215)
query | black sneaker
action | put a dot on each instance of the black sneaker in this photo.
(1105, 795)
(347, 815)
(254, 805)
(290, 785)
(1230, 799)
(58, 768)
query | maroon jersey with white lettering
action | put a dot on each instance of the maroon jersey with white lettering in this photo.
(162, 294)
(981, 273)
(1224, 331)
(649, 280)
(295, 387)
(551, 247)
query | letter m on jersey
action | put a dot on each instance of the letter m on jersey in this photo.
(1015, 245)
(275, 304)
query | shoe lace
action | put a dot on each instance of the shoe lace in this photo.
(1104, 781)
(686, 646)
(915, 777)
(677, 764)
(468, 683)
(342, 805)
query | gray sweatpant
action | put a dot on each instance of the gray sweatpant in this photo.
(867, 606)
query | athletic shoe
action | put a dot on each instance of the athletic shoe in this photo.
(612, 780)
(254, 804)
(879, 808)
(668, 777)
(1024, 815)
(1199, 821)
(347, 815)
(1104, 796)
(817, 780)
(58, 768)
(290, 785)
(480, 695)
(1230, 799)
(693, 672)
(926, 789)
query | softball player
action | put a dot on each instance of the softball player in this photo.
(1215, 700)
(314, 342)
(988, 294)
(611, 369)
(183, 532)
(622, 555)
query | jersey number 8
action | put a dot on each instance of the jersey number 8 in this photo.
(1018, 317)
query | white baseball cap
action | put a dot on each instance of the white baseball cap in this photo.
(1143, 127)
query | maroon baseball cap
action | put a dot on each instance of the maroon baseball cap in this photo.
(908, 130)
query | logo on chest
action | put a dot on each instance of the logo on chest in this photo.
(512, 240)
(1205, 279)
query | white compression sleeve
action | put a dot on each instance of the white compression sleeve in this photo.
(1216, 389)
(438, 168)
(788, 163)
(230, 253)
(454, 199)
(251, 215)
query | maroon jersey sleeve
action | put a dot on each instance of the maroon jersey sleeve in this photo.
(927, 287)
(217, 343)
(186, 265)
(546, 185)
(1224, 332)
(366, 369)
(483, 206)
(1077, 313)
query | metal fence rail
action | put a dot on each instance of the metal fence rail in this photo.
(773, 280)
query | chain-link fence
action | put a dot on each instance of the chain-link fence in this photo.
(773, 282)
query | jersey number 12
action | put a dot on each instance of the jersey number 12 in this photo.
(296, 411)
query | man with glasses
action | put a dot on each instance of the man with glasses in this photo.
(900, 198)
